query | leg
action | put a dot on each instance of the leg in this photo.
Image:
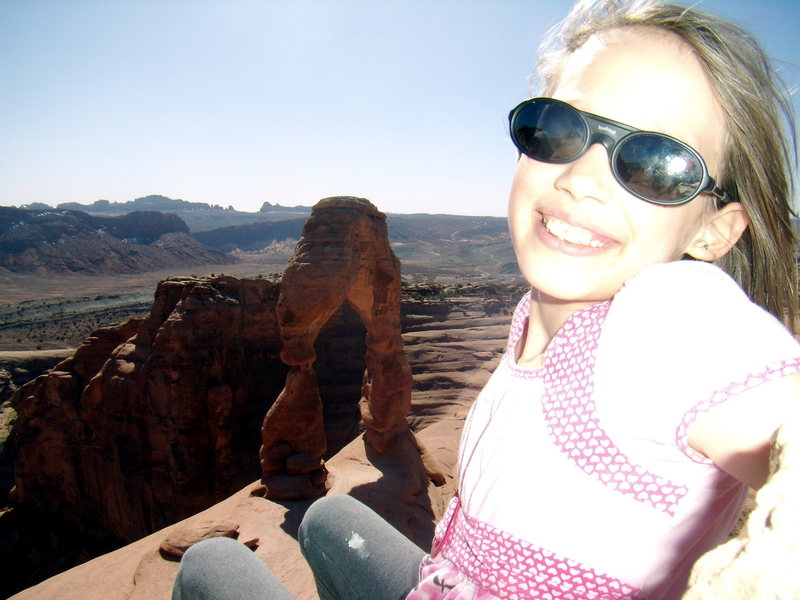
(224, 569)
(355, 554)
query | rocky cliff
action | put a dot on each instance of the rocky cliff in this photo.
(147, 423)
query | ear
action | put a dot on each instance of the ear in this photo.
(721, 231)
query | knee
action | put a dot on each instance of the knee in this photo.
(203, 564)
(329, 508)
(209, 551)
(329, 518)
(330, 512)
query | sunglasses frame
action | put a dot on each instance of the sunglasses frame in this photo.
(612, 135)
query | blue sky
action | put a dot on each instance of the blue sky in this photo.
(242, 102)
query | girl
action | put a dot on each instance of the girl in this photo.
(640, 387)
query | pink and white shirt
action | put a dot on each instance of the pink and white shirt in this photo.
(576, 478)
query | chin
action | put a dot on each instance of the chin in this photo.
(565, 287)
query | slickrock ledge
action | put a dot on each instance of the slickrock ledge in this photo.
(391, 483)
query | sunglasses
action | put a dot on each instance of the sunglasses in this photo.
(652, 166)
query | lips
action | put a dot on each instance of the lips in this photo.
(573, 234)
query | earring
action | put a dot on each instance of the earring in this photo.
(705, 246)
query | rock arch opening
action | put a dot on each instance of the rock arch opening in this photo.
(341, 360)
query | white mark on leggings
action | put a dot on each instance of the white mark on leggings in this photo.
(356, 543)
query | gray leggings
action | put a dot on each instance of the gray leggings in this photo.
(354, 555)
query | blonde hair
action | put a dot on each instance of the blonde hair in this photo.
(760, 153)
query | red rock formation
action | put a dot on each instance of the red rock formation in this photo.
(452, 346)
(149, 422)
(343, 256)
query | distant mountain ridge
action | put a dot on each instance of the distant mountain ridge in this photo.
(67, 241)
(403, 229)
(198, 216)
(21, 228)
(111, 240)
(252, 236)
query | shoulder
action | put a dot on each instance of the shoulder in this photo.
(686, 330)
(682, 283)
(693, 300)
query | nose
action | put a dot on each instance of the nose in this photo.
(589, 176)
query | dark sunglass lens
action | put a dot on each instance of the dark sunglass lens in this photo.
(658, 168)
(548, 132)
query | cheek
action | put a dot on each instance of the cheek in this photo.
(516, 199)
(519, 177)
(666, 231)
(530, 180)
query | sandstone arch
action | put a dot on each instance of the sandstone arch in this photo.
(343, 256)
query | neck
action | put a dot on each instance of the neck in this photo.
(547, 317)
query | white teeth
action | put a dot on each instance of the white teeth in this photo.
(570, 233)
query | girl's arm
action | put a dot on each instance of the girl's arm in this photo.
(736, 435)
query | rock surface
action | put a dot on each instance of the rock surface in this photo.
(180, 539)
(18, 368)
(392, 485)
(149, 417)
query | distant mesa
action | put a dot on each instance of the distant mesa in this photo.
(198, 216)
(153, 202)
(269, 207)
(252, 236)
(68, 241)
(37, 206)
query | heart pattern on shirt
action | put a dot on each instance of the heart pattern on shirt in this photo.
(569, 410)
(513, 569)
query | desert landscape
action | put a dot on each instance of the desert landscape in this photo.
(134, 403)
(458, 292)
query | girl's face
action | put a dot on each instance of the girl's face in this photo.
(577, 233)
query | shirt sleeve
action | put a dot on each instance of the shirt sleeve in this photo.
(679, 339)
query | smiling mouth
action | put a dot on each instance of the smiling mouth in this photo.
(570, 233)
